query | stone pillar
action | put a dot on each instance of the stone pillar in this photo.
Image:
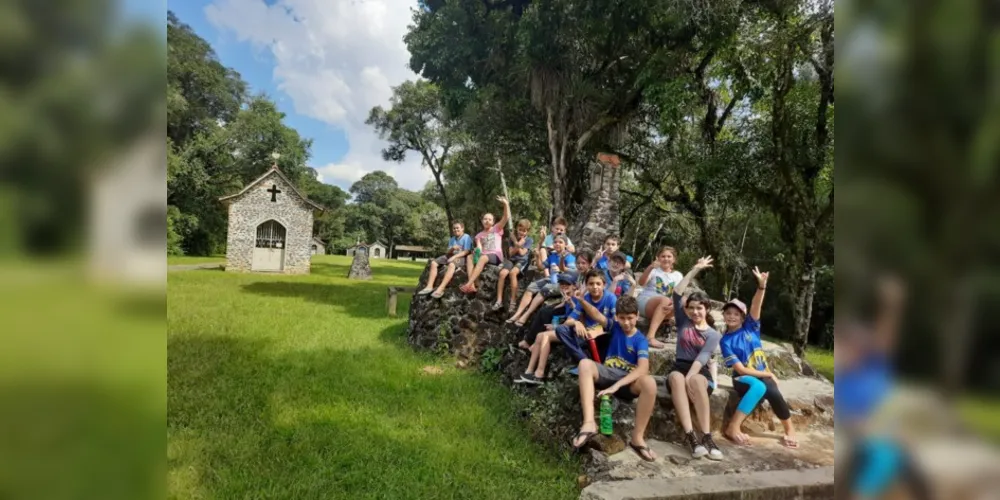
(601, 216)
(360, 270)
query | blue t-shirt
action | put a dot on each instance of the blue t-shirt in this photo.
(465, 242)
(743, 346)
(605, 305)
(569, 263)
(528, 243)
(624, 352)
(602, 263)
(621, 288)
(860, 390)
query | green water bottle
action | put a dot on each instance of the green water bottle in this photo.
(606, 424)
(476, 255)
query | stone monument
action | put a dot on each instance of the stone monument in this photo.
(360, 269)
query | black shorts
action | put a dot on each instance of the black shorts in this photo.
(491, 259)
(442, 260)
(684, 366)
(607, 377)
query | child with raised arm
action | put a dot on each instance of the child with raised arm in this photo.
(517, 261)
(491, 242)
(743, 352)
(690, 378)
(558, 229)
(459, 249)
(624, 374)
(655, 300)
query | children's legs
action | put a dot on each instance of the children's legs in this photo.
(543, 356)
(780, 408)
(646, 388)
(659, 313)
(448, 274)
(567, 336)
(751, 390)
(500, 282)
(678, 394)
(478, 269)
(537, 301)
(525, 300)
(432, 276)
(513, 282)
(535, 351)
(587, 378)
(697, 387)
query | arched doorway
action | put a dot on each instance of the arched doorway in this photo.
(269, 248)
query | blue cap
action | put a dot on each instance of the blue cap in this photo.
(568, 278)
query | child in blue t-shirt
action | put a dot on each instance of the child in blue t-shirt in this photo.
(610, 247)
(753, 380)
(589, 316)
(624, 374)
(619, 281)
(459, 248)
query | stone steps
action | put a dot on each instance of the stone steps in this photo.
(776, 485)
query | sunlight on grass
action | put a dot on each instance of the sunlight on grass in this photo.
(301, 387)
(821, 360)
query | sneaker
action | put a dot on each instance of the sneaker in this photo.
(530, 378)
(523, 379)
(697, 449)
(714, 453)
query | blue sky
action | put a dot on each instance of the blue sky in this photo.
(324, 62)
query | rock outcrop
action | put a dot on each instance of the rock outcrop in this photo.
(464, 326)
(360, 268)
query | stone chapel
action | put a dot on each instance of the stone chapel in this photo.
(270, 226)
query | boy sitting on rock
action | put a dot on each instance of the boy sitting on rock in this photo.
(517, 261)
(548, 242)
(459, 248)
(591, 313)
(624, 374)
(560, 261)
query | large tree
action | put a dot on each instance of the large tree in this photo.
(584, 66)
(417, 121)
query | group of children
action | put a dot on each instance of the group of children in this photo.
(595, 319)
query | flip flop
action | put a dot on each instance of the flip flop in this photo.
(425, 291)
(437, 295)
(497, 305)
(588, 436)
(788, 442)
(513, 305)
(639, 451)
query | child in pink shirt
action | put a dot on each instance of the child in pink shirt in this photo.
(490, 242)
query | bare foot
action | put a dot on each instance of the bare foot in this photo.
(789, 441)
(656, 344)
(737, 437)
(523, 345)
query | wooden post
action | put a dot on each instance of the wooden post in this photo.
(392, 297)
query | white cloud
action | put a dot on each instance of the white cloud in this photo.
(335, 59)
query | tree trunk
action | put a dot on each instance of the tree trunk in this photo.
(954, 332)
(652, 238)
(803, 292)
(506, 194)
(556, 141)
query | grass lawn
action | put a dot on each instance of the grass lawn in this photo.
(174, 260)
(301, 387)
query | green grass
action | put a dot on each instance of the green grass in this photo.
(821, 360)
(301, 387)
(174, 260)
